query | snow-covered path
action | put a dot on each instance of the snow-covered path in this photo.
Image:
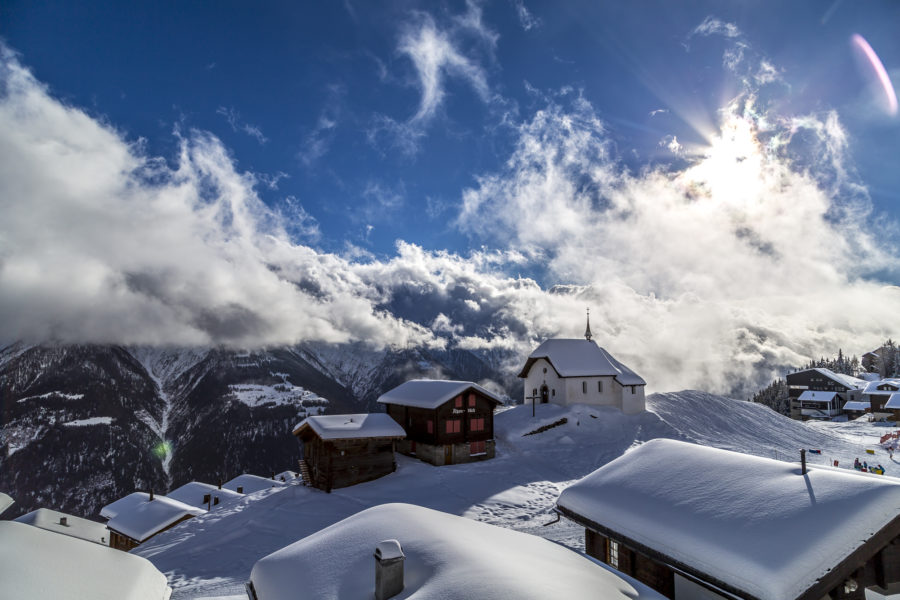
(213, 554)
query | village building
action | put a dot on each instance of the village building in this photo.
(575, 371)
(431, 554)
(883, 397)
(138, 517)
(35, 563)
(343, 450)
(821, 393)
(62, 523)
(202, 495)
(249, 484)
(856, 408)
(692, 521)
(446, 422)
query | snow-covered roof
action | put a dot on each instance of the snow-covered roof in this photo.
(846, 380)
(752, 523)
(77, 527)
(872, 386)
(287, 476)
(893, 401)
(446, 557)
(817, 396)
(345, 427)
(192, 493)
(431, 393)
(39, 564)
(5, 502)
(252, 483)
(581, 358)
(143, 517)
(856, 405)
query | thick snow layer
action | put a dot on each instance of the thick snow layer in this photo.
(5, 502)
(893, 401)
(141, 517)
(345, 427)
(39, 564)
(817, 396)
(251, 483)
(90, 421)
(846, 380)
(856, 405)
(754, 523)
(890, 384)
(280, 394)
(446, 557)
(431, 393)
(77, 527)
(55, 395)
(582, 358)
(192, 494)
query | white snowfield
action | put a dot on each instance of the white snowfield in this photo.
(70, 525)
(347, 427)
(192, 494)
(430, 393)
(446, 557)
(754, 523)
(582, 358)
(250, 484)
(142, 517)
(212, 555)
(90, 421)
(38, 564)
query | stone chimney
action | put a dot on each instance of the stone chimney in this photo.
(389, 559)
(240, 489)
(64, 521)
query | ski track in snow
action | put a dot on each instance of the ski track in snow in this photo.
(212, 555)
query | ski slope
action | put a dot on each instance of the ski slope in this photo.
(212, 555)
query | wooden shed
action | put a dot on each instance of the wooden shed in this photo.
(343, 450)
(138, 517)
(446, 422)
(692, 521)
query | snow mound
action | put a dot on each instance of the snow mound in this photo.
(446, 557)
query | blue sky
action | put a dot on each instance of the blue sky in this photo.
(714, 179)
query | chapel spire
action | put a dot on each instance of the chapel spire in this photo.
(587, 332)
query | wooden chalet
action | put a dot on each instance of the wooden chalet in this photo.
(821, 393)
(884, 398)
(697, 522)
(343, 450)
(138, 517)
(446, 422)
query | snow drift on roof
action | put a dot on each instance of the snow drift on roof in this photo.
(446, 557)
(893, 401)
(581, 358)
(345, 427)
(872, 386)
(431, 393)
(753, 523)
(38, 564)
(145, 517)
(845, 380)
(817, 396)
(192, 493)
(252, 483)
(856, 405)
(77, 527)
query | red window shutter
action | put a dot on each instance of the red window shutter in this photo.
(430, 426)
(458, 401)
(472, 399)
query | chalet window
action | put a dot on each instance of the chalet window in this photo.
(458, 401)
(477, 448)
(430, 426)
(632, 390)
(553, 392)
(534, 392)
(614, 554)
(452, 425)
(476, 424)
(471, 399)
(584, 387)
(600, 386)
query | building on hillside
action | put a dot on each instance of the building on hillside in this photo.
(692, 521)
(202, 495)
(57, 522)
(343, 450)
(35, 563)
(248, 484)
(854, 409)
(575, 371)
(138, 517)
(832, 389)
(440, 556)
(446, 422)
(883, 398)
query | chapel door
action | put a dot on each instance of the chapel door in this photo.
(545, 394)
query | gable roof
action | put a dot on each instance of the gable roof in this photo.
(893, 401)
(754, 525)
(446, 557)
(872, 386)
(51, 520)
(581, 358)
(39, 564)
(348, 427)
(252, 483)
(857, 405)
(847, 381)
(817, 396)
(140, 518)
(192, 493)
(431, 393)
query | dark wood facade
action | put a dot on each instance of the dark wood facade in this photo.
(457, 431)
(875, 564)
(334, 464)
(813, 380)
(120, 541)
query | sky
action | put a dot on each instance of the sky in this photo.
(717, 181)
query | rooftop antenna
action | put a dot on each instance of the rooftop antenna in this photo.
(587, 332)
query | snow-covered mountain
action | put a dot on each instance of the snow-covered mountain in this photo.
(81, 426)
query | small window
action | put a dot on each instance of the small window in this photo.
(471, 399)
(477, 448)
(430, 426)
(458, 402)
(632, 390)
(584, 387)
(452, 426)
(476, 424)
(534, 392)
(545, 369)
(600, 386)
(614, 554)
(553, 392)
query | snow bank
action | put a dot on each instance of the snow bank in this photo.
(431, 393)
(344, 427)
(754, 523)
(446, 557)
(76, 527)
(39, 564)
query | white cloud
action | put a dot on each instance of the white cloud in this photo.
(234, 120)
(527, 20)
(714, 26)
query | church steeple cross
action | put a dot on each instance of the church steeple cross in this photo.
(587, 332)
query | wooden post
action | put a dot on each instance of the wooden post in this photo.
(803, 461)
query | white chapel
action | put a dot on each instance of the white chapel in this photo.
(576, 371)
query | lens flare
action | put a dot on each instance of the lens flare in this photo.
(162, 450)
(880, 71)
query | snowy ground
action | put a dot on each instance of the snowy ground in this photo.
(211, 555)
